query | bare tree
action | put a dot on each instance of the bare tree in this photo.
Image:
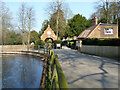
(0, 23)
(54, 8)
(107, 10)
(5, 23)
(22, 21)
(30, 21)
(59, 13)
(58, 9)
(67, 12)
(115, 10)
(118, 8)
(104, 10)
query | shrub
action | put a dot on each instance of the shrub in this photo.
(72, 44)
(57, 41)
(40, 42)
(64, 43)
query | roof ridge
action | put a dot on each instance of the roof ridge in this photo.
(93, 29)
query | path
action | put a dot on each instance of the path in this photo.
(87, 71)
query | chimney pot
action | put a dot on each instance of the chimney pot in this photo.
(95, 21)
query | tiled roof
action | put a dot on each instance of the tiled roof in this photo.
(86, 32)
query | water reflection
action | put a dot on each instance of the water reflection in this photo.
(21, 71)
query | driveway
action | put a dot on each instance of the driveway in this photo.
(87, 71)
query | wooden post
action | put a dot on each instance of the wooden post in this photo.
(44, 50)
(38, 48)
(56, 74)
(80, 44)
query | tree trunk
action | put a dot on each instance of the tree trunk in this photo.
(58, 19)
(29, 32)
(29, 38)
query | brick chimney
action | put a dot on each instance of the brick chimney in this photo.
(94, 21)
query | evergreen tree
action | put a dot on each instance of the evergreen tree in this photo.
(61, 24)
(76, 25)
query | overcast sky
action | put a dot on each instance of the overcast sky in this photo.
(82, 7)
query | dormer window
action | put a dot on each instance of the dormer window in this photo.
(108, 31)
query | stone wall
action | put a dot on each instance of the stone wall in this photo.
(12, 48)
(104, 51)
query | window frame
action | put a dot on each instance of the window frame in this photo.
(109, 29)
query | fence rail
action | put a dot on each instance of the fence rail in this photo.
(53, 76)
(38, 48)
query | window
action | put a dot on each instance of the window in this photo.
(108, 31)
(48, 33)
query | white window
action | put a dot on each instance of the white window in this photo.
(48, 33)
(108, 30)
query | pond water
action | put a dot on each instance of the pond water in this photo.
(21, 71)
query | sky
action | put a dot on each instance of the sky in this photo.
(82, 7)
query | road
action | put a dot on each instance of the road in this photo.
(88, 71)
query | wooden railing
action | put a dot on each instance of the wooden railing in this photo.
(38, 48)
(53, 76)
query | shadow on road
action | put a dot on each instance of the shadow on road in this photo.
(102, 77)
(74, 56)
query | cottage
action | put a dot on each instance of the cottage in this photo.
(100, 31)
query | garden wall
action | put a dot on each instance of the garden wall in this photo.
(12, 48)
(104, 51)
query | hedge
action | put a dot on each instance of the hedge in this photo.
(105, 42)
(40, 42)
(57, 41)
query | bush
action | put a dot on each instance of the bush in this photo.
(105, 42)
(40, 42)
(64, 43)
(72, 44)
(57, 41)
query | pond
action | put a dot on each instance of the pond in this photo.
(21, 71)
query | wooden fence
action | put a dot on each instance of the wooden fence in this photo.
(53, 76)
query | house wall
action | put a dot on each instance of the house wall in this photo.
(104, 51)
(99, 32)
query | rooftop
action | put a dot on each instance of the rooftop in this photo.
(87, 31)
